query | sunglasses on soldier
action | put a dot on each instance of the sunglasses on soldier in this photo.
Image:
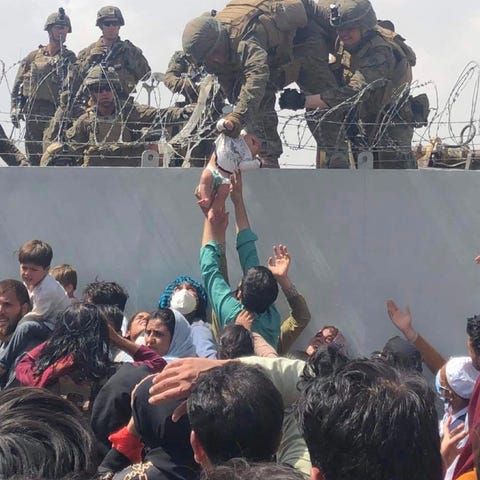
(110, 23)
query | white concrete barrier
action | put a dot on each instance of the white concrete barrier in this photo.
(357, 238)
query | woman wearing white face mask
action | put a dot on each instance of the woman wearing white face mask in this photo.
(188, 297)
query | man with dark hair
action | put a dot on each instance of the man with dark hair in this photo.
(14, 305)
(106, 293)
(368, 420)
(55, 440)
(234, 411)
(258, 288)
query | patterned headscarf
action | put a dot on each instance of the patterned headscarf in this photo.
(164, 301)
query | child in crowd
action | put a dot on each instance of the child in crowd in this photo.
(47, 296)
(231, 155)
(66, 276)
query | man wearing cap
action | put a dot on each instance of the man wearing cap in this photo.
(114, 132)
(256, 48)
(39, 80)
(376, 66)
(110, 51)
(454, 383)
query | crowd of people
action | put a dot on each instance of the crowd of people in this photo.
(210, 384)
(353, 73)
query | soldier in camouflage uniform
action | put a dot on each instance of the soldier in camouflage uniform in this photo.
(378, 62)
(111, 52)
(114, 131)
(256, 47)
(37, 86)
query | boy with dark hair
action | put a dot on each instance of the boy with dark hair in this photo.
(66, 276)
(235, 411)
(47, 296)
(369, 420)
(258, 288)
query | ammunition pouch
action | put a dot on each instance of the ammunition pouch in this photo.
(420, 109)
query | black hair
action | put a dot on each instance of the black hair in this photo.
(82, 332)
(259, 289)
(21, 292)
(323, 362)
(234, 341)
(370, 420)
(236, 411)
(36, 252)
(473, 331)
(241, 469)
(167, 317)
(400, 353)
(113, 315)
(43, 436)
(106, 293)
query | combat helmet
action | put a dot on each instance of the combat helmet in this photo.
(109, 12)
(201, 37)
(345, 14)
(99, 75)
(58, 18)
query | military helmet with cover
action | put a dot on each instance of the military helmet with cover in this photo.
(99, 75)
(346, 14)
(202, 36)
(58, 18)
(109, 13)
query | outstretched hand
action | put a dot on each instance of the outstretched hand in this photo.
(402, 320)
(176, 380)
(477, 259)
(245, 319)
(236, 187)
(280, 262)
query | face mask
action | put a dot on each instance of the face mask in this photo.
(183, 301)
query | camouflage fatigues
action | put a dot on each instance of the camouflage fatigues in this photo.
(117, 140)
(129, 64)
(10, 153)
(181, 76)
(36, 91)
(385, 111)
(267, 52)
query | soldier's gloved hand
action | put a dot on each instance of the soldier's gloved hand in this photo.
(234, 128)
(292, 99)
(16, 117)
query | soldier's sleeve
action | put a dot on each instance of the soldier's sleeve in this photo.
(376, 67)
(77, 136)
(254, 60)
(173, 76)
(137, 63)
(17, 84)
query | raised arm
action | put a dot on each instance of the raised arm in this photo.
(403, 321)
(294, 325)
(236, 194)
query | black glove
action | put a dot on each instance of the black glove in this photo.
(292, 99)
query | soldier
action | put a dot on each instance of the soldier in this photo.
(114, 131)
(110, 51)
(377, 70)
(257, 47)
(10, 153)
(182, 77)
(35, 93)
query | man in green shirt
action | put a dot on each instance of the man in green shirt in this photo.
(258, 288)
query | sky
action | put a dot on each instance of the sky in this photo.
(443, 35)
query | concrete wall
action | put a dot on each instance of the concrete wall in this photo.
(357, 238)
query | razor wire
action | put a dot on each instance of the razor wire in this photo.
(295, 128)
